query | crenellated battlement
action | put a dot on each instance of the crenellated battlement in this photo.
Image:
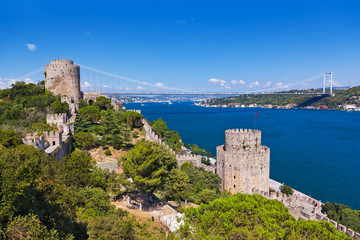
(242, 139)
(56, 117)
(61, 61)
(93, 92)
(35, 140)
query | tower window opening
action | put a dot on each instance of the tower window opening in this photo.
(234, 186)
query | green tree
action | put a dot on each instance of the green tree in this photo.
(9, 138)
(176, 185)
(132, 119)
(103, 103)
(90, 113)
(343, 214)
(77, 169)
(30, 227)
(286, 190)
(196, 150)
(148, 164)
(244, 216)
(114, 132)
(84, 140)
(59, 107)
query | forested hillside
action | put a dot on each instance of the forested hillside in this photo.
(341, 97)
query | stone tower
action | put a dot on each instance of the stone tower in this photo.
(63, 77)
(243, 163)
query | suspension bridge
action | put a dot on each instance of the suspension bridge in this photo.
(93, 79)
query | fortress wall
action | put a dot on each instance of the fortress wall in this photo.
(87, 96)
(34, 140)
(54, 138)
(192, 158)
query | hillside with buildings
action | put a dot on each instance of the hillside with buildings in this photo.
(348, 99)
(74, 165)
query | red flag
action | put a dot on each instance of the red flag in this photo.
(256, 114)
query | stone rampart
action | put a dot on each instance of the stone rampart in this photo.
(191, 158)
(34, 140)
(87, 96)
(315, 214)
(62, 122)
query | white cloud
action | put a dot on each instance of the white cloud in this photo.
(6, 82)
(159, 84)
(139, 88)
(234, 82)
(28, 80)
(31, 47)
(106, 86)
(217, 81)
(268, 84)
(87, 84)
(254, 84)
(227, 87)
(281, 85)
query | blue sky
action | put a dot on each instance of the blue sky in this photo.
(196, 45)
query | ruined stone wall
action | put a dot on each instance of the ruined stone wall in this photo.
(243, 163)
(62, 122)
(191, 158)
(54, 138)
(87, 96)
(63, 77)
(34, 140)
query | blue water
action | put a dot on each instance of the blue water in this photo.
(315, 152)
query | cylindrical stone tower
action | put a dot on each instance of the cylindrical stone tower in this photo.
(63, 77)
(243, 163)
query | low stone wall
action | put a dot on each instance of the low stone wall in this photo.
(192, 158)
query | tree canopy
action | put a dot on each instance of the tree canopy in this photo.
(243, 216)
(148, 164)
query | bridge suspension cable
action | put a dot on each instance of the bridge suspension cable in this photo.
(133, 80)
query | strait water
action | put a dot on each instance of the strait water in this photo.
(315, 152)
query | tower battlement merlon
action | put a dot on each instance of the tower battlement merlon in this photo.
(242, 139)
(55, 61)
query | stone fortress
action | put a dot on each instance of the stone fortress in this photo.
(62, 77)
(243, 163)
